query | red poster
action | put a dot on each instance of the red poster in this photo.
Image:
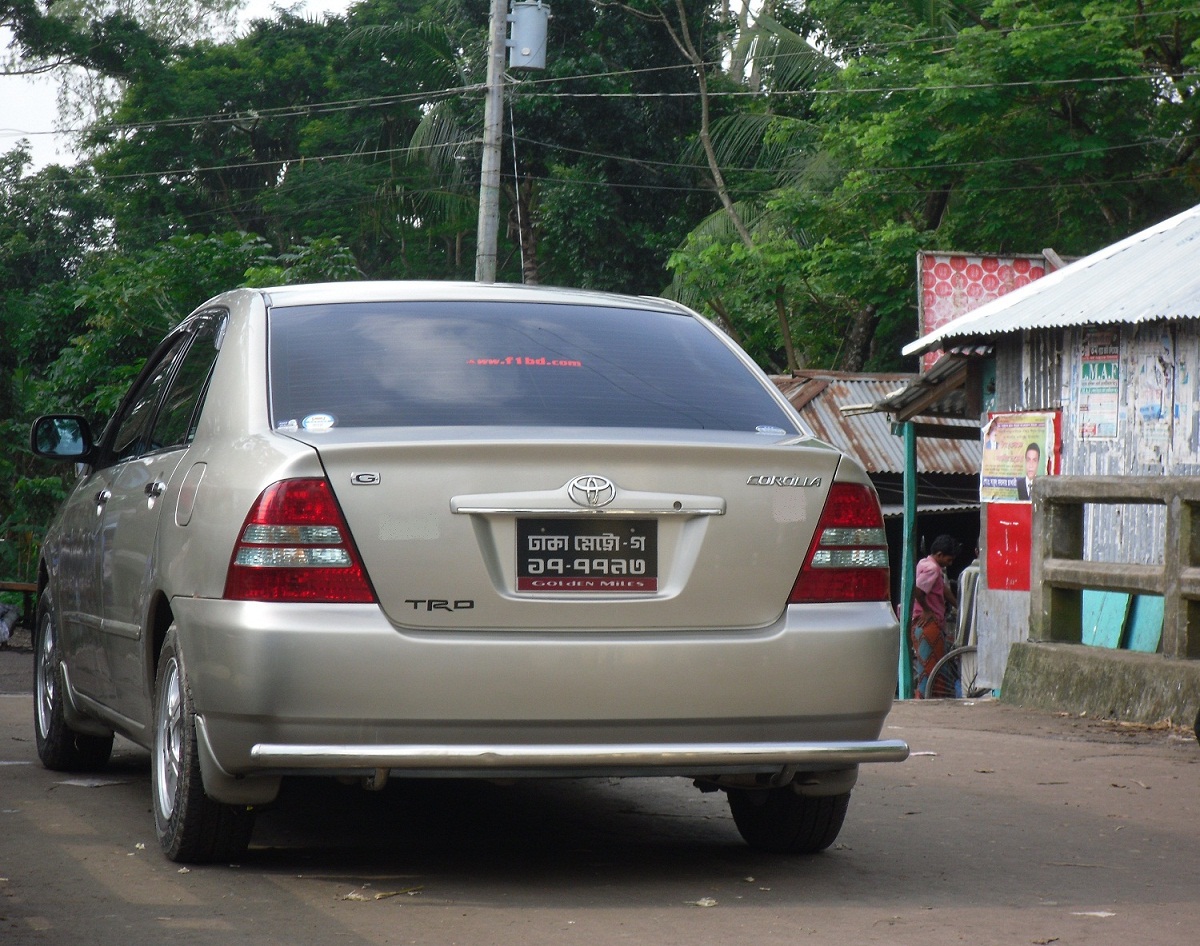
(1009, 531)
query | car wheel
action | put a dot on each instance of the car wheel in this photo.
(58, 746)
(782, 822)
(191, 827)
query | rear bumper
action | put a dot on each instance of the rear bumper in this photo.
(694, 758)
(337, 689)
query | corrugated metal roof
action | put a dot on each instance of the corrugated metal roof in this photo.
(1154, 274)
(819, 395)
(891, 511)
(937, 391)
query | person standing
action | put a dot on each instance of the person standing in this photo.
(928, 633)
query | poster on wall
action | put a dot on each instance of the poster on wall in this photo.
(952, 284)
(1150, 363)
(1009, 527)
(1099, 387)
(1017, 448)
(1185, 441)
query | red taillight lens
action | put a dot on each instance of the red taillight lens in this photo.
(848, 559)
(295, 546)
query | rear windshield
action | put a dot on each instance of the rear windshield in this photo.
(507, 364)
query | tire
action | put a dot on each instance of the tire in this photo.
(779, 821)
(956, 676)
(191, 827)
(60, 748)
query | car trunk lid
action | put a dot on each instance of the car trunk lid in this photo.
(555, 532)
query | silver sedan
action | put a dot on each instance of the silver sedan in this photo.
(391, 530)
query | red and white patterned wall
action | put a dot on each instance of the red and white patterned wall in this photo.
(952, 284)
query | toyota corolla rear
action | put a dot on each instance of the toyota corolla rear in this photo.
(511, 532)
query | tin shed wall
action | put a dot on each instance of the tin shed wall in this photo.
(1157, 433)
(1154, 434)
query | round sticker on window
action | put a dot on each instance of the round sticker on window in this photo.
(318, 423)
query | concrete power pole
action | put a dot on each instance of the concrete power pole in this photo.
(527, 51)
(493, 130)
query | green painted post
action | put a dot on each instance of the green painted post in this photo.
(908, 562)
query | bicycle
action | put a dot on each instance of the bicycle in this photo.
(955, 676)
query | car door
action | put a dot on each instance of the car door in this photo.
(74, 565)
(84, 563)
(151, 442)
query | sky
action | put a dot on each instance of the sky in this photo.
(28, 108)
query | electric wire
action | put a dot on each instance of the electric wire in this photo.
(531, 88)
(530, 85)
(525, 89)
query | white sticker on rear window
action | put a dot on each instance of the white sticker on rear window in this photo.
(287, 425)
(318, 423)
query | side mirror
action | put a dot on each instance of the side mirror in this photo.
(62, 437)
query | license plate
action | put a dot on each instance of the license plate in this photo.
(591, 555)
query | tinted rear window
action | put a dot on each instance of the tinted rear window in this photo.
(507, 364)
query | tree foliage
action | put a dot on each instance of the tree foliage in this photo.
(1001, 127)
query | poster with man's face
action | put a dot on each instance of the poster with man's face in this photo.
(1017, 448)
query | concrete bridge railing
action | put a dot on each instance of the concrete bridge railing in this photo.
(1059, 572)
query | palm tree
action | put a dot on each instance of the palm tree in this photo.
(774, 146)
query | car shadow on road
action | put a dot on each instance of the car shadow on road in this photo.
(538, 828)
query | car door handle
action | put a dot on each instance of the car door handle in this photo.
(103, 496)
(156, 488)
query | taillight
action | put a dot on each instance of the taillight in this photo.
(295, 546)
(848, 559)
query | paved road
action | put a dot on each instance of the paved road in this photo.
(1006, 827)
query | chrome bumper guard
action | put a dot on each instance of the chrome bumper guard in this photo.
(697, 756)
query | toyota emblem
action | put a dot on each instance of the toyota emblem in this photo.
(591, 491)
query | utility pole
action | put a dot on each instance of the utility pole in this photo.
(493, 130)
(527, 51)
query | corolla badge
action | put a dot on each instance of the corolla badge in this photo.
(770, 479)
(591, 491)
